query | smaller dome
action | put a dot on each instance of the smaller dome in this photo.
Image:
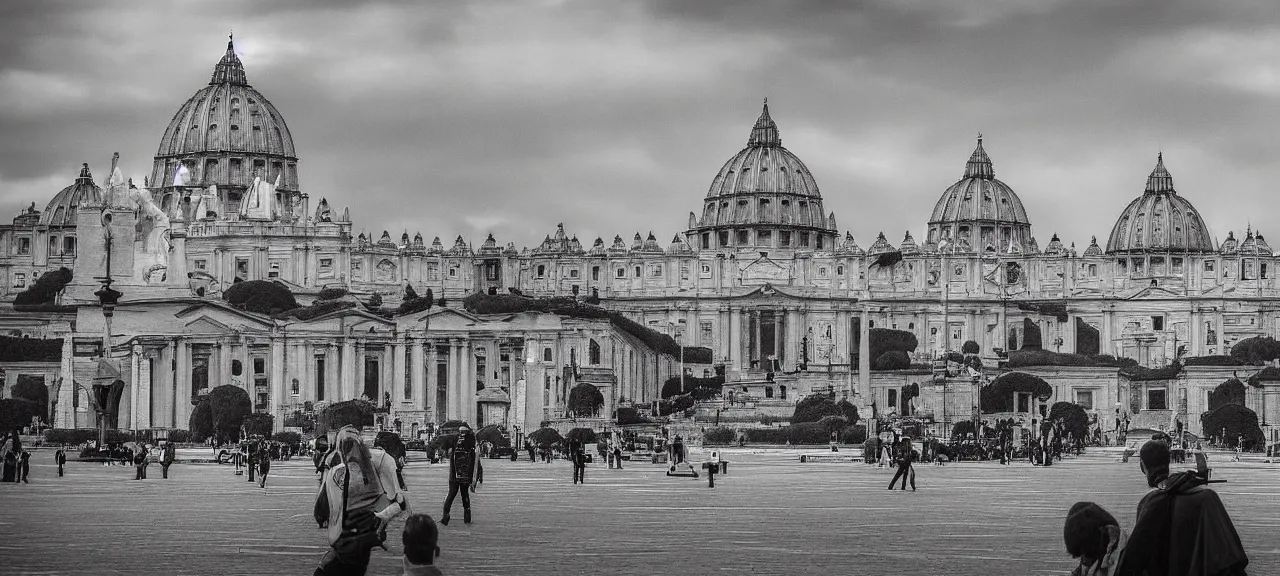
(61, 211)
(1160, 220)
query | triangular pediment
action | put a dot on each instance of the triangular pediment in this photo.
(765, 270)
(224, 315)
(206, 325)
(449, 318)
(1154, 293)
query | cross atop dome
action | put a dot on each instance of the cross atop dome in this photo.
(229, 69)
(1160, 180)
(765, 132)
(979, 165)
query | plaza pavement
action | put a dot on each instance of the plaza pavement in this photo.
(770, 515)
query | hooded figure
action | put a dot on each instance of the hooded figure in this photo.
(1182, 528)
(1093, 536)
(464, 473)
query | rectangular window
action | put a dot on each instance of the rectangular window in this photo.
(1139, 266)
(724, 239)
(637, 271)
(274, 272)
(706, 271)
(1084, 399)
(742, 237)
(201, 264)
(804, 239)
(706, 240)
(1156, 399)
(242, 268)
(453, 272)
(1208, 265)
(19, 280)
(1262, 270)
(320, 378)
(893, 398)
(784, 238)
(1024, 403)
(1093, 270)
(69, 245)
(704, 328)
(326, 266)
(573, 272)
(820, 242)
(53, 246)
(542, 271)
(595, 273)
(655, 271)
(620, 273)
(1177, 265)
(433, 271)
(1157, 323)
(764, 237)
(24, 246)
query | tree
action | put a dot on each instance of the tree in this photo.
(259, 425)
(881, 340)
(892, 360)
(849, 411)
(409, 292)
(201, 421)
(286, 437)
(999, 395)
(494, 435)
(585, 399)
(585, 435)
(1230, 391)
(16, 413)
(701, 387)
(962, 428)
(260, 297)
(1072, 417)
(629, 415)
(229, 405)
(358, 413)
(1256, 350)
(1230, 422)
(34, 390)
(545, 437)
(45, 289)
(970, 347)
(815, 407)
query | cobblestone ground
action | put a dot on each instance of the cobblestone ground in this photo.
(770, 515)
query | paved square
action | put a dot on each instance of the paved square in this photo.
(770, 515)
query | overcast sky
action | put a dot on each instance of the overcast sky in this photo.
(613, 116)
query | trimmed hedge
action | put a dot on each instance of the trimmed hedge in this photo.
(1230, 391)
(45, 289)
(180, 436)
(230, 406)
(1212, 361)
(201, 420)
(1268, 374)
(692, 384)
(358, 413)
(1236, 420)
(545, 437)
(69, 436)
(34, 391)
(854, 434)
(962, 428)
(585, 435)
(16, 413)
(260, 296)
(1256, 350)
(331, 293)
(1088, 340)
(1024, 358)
(416, 304)
(881, 340)
(803, 433)
(970, 347)
(675, 404)
(585, 399)
(630, 415)
(1073, 418)
(999, 395)
(1142, 373)
(285, 437)
(14, 349)
(316, 309)
(719, 435)
(892, 360)
(493, 434)
(815, 407)
(259, 425)
(834, 423)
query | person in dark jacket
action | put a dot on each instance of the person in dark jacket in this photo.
(464, 473)
(1093, 536)
(166, 460)
(578, 456)
(140, 461)
(264, 466)
(24, 465)
(60, 458)
(904, 458)
(1182, 529)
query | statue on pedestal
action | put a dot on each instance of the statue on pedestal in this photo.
(151, 245)
(208, 206)
(260, 200)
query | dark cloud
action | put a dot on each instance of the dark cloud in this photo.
(612, 117)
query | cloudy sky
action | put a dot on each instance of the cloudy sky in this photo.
(613, 116)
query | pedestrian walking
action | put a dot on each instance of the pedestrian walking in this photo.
(166, 460)
(465, 472)
(904, 458)
(60, 458)
(617, 456)
(24, 465)
(350, 492)
(578, 456)
(264, 466)
(140, 461)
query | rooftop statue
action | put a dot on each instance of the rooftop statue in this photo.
(260, 200)
(208, 206)
(151, 245)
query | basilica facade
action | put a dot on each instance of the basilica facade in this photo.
(760, 273)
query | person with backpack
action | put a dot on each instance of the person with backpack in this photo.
(578, 456)
(358, 498)
(464, 473)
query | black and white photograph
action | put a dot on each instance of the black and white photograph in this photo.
(639, 287)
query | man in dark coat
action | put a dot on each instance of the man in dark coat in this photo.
(1182, 528)
(905, 457)
(60, 458)
(24, 465)
(166, 460)
(464, 473)
(140, 461)
(578, 456)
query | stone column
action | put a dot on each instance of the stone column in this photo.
(359, 367)
(335, 377)
(275, 395)
(417, 374)
(1107, 345)
(397, 377)
(224, 363)
(66, 415)
(778, 342)
(753, 339)
(348, 370)
(735, 339)
(432, 383)
(182, 385)
(452, 387)
(135, 382)
(793, 336)
(467, 388)
(246, 369)
(864, 358)
(387, 379)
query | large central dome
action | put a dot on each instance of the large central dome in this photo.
(1160, 220)
(226, 134)
(980, 212)
(763, 197)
